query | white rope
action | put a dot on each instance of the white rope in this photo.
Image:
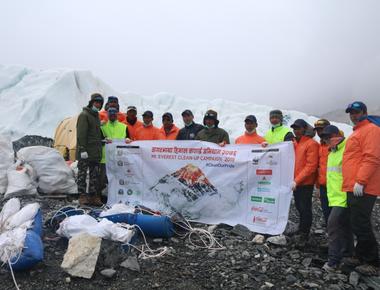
(149, 253)
(13, 275)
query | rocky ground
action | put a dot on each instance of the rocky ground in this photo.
(243, 264)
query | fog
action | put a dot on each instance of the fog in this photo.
(313, 56)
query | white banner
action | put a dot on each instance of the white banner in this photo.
(235, 184)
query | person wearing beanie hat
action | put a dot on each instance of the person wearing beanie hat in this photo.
(319, 125)
(305, 176)
(131, 121)
(111, 130)
(278, 132)
(250, 136)
(191, 129)
(361, 181)
(169, 130)
(89, 150)
(112, 102)
(340, 239)
(148, 131)
(211, 132)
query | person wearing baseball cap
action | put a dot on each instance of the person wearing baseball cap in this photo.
(148, 131)
(340, 239)
(191, 129)
(305, 175)
(250, 135)
(211, 132)
(169, 131)
(361, 181)
(89, 150)
(112, 102)
(132, 122)
(319, 125)
(278, 132)
(111, 130)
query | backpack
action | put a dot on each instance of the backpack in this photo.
(374, 119)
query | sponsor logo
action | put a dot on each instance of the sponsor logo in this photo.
(129, 191)
(270, 200)
(257, 208)
(259, 220)
(264, 182)
(263, 171)
(121, 191)
(263, 189)
(255, 161)
(272, 163)
(256, 198)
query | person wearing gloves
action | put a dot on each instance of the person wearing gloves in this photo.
(319, 125)
(340, 239)
(169, 130)
(89, 151)
(250, 136)
(212, 133)
(305, 175)
(191, 129)
(278, 132)
(361, 181)
(112, 129)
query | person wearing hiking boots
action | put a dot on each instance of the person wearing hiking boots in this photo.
(169, 130)
(191, 129)
(323, 154)
(112, 102)
(361, 181)
(212, 133)
(305, 176)
(148, 131)
(250, 136)
(112, 129)
(132, 123)
(340, 238)
(278, 132)
(89, 151)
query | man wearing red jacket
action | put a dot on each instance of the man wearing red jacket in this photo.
(322, 167)
(361, 181)
(305, 175)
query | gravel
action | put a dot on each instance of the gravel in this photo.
(242, 265)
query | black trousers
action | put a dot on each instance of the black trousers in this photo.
(341, 241)
(324, 202)
(360, 212)
(303, 199)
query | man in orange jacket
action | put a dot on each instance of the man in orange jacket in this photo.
(322, 167)
(132, 123)
(250, 135)
(112, 102)
(361, 181)
(305, 175)
(169, 131)
(148, 131)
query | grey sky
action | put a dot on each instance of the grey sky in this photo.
(310, 55)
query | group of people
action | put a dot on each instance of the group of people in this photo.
(345, 170)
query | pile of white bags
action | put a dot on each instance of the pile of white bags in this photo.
(14, 223)
(106, 229)
(20, 180)
(53, 174)
(6, 160)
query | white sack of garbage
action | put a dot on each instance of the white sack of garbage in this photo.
(106, 229)
(20, 180)
(7, 159)
(53, 174)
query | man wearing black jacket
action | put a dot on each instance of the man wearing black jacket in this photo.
(191, 129)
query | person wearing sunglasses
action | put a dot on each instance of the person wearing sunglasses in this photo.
(361, 181)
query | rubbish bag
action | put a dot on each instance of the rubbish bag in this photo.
(23, 218)
(10, 208)
(53, 174)
(32, 253)
(20, 180)
(7, 158)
